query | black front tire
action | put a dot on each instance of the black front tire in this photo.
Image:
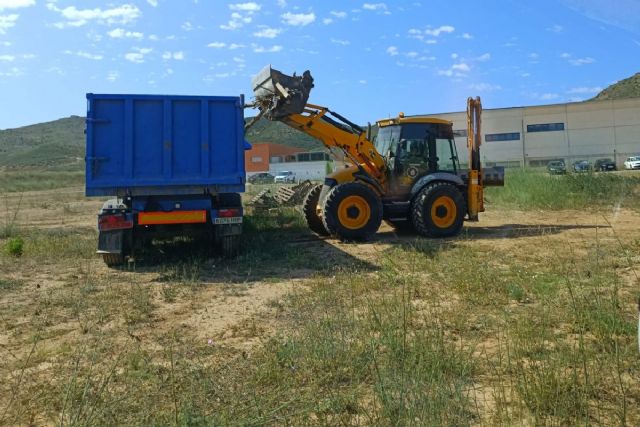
(352, 211)
(309, 209)
(438, 210)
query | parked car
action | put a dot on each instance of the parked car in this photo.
(285, 177)
(556, 167)
(632, 162)
(604, 165)
(261, 178)
(581, 166)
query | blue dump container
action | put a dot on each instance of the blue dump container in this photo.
(175, 165)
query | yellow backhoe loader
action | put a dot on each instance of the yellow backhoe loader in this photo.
(409, 175)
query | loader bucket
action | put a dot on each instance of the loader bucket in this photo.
(279, 95)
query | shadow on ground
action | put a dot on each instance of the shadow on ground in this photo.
(270, 254)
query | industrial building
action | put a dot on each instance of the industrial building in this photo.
(274, 158)
(533, 136)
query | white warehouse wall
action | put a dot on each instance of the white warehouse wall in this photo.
(594, 129)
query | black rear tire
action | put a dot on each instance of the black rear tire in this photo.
(352, 211)
(438, 210)
(309, 209)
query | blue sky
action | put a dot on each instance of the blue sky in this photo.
(369, 59)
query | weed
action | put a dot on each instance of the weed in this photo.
(15, 246)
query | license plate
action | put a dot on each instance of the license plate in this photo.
(228, 220)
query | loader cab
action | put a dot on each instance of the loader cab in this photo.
(414, 147)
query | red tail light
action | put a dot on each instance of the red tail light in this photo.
(114, 222)
(227, 213)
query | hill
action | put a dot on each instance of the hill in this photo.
(60, 144)
(627, 88)
(279, 133)
(56, 145)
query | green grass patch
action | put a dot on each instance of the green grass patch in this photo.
(32, 180)
(531, 189)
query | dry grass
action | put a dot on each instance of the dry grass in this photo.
(534, 326)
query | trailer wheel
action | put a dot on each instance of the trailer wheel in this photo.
(352, 211)
(113, 260)
(438, 210)
(310, 211)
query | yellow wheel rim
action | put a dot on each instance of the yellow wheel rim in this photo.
(444, 212)
(354, 212)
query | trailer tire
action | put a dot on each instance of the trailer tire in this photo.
(309, 209)
(113, 260)
(352, 211)
(438, 210)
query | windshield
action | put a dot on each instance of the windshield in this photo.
(440, 147)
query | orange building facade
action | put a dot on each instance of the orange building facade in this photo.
(262, 155)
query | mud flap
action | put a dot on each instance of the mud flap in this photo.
(111, 242)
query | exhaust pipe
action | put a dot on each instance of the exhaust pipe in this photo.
(279, 95)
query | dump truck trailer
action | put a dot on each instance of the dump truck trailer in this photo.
(173, 164)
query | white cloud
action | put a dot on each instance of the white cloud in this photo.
(458, 70)
(178, 56)
(246, 7)
(282, 3)
(462, 67)
(153, 3)
(78, 17)
(374, 6)
(340, 42)
(484, 57)
(392, 50)
(581, 61)
(548, 96)
(262, 49)
(327, 21)
(113, 76)
(467, 36)
(137, 57)
(412, 54)
(298, 19)
(585, 90)
(7, 58)
(237, 21)
(217, 45)
(556, 29)
(187, 26)
(435, 32)
(15, 4)
(234, 46)
(484, 87)
(362, 82)
(86, 55)
(13, 72)
(120, 33)
(339, 14)
(577, 62)
(7, 21)
(268, 33)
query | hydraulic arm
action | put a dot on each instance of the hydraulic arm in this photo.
(283, 98)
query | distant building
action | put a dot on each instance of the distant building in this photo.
(533, 136)
(274, 158)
